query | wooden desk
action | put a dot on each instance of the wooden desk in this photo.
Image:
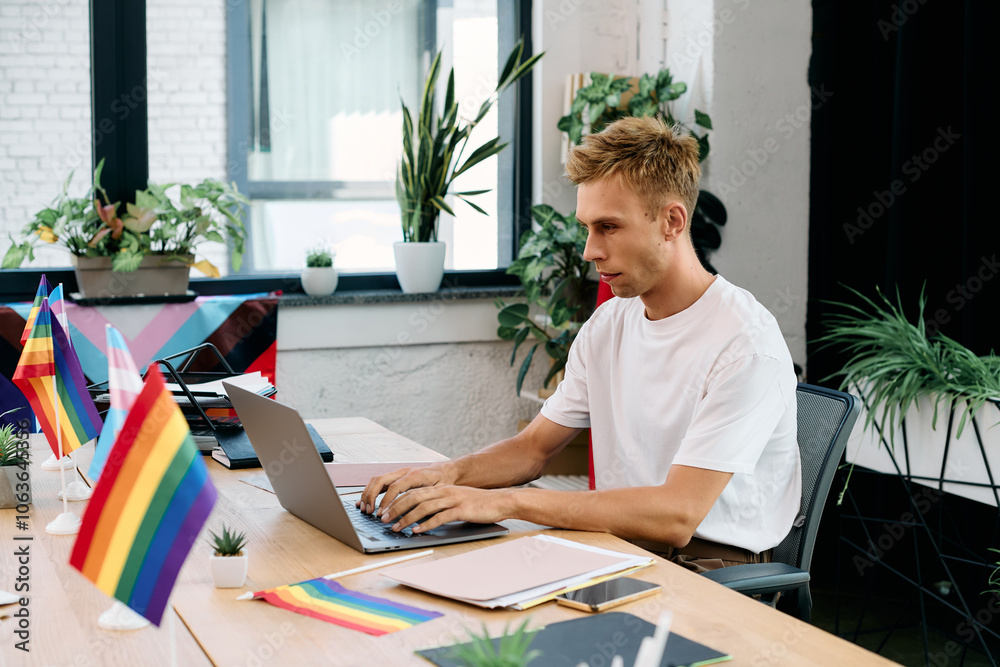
(284, 549)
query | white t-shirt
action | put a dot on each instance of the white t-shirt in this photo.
(711, 387)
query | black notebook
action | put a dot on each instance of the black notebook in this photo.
(596, 639)
(236, 452)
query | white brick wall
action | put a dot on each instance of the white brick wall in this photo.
(44, 108)
(45, 101)
(186, 59)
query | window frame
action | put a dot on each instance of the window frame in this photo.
(120, 65)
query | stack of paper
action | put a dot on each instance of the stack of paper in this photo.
(520, 573)
(254, 382)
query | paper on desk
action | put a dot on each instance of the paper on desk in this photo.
(254, 382)
(358, 474)
(513, 572)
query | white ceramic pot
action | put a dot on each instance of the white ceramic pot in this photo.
(228, 571)
(419, 266)
(319, 280)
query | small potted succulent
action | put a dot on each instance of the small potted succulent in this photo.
(229, 562)
(319, 278)
(14, 486)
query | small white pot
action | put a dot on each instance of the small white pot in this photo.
(419, 266)
(319, 280)
(228, 571)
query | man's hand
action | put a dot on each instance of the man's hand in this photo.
(438, 505)
(399, 481)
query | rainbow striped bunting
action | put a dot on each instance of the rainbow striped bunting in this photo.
(148, 506)
(124, 384)
(329, 601)
(48, 361)
(43, 291)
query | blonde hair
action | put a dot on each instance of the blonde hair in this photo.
(652, 160)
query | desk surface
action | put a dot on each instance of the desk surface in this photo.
(215, 628)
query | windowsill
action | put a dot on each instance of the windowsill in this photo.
(396, 296)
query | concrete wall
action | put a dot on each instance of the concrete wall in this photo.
(759, 162)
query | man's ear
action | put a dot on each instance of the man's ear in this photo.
(674, 218)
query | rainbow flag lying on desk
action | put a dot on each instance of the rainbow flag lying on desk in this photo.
(329, 601)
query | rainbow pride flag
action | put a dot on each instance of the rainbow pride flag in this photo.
(124, 384)
(79, 420)
(329, 601)
(42, 292)
(148, 506)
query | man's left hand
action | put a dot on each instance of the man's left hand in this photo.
(438, 505)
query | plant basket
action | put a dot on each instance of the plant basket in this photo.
(935, 455)
(156, 276)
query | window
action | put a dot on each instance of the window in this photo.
(197, 74)
(315, 125)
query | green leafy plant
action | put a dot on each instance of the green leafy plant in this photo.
(994, 580)
(12, 451)
(893, 362)
(433, 149)
(168, 220)
(555, 277)
(320, 257)
(600, 102)
(510, 651)
(230, 543)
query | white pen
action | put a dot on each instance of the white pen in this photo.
(364, 568)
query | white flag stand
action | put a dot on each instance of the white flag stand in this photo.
(76, 490)
(121, 617)
(52, 463)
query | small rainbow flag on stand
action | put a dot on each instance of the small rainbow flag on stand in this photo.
(148, 507)
(329, 601)
(48, 363)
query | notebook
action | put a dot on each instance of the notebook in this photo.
(595, 640)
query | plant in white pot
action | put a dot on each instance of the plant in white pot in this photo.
(319, 278)
(433, 149)
(15, 488)
(229, 562)
(149, 248)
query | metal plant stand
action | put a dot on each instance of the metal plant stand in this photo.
(926, 548)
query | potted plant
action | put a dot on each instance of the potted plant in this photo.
(555, 277)
(432, 158)
(600, 102)
(510, 650)
(14, 486)
(229, 562)
(319, 278)
(149, 248)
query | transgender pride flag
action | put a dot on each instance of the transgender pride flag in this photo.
(124, 383)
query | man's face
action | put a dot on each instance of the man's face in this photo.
(625, 241)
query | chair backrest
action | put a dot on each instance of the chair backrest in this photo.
(825, 420)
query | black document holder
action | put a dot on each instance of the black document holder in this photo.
(238, 452)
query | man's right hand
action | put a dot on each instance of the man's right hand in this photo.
(402, 480)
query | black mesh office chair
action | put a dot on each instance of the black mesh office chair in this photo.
(825, 420)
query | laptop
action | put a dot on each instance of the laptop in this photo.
(304, 487)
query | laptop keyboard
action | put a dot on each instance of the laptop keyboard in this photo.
(372, 526)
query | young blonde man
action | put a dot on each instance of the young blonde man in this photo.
(685, 382)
